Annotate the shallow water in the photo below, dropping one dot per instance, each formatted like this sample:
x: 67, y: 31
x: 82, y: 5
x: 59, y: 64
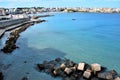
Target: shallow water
x: 92, y: 38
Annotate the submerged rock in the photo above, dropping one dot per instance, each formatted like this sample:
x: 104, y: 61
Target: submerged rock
x: 40, y: 66
x: 1, y: 76
x: 25, y: 78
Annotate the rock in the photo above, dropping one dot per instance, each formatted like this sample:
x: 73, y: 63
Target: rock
x: 72, y: 78
x: 113, y: 72
x: 40, y: 66
x: 81, y: 66
x: 53, y: 62
x: 75, y: 75
x: 56, y: 72
x: 68, y: 71
x: 67, y: 62
x: 95, y: 67
x: 66, y: 78
x: 109, y: 76
x: 1, y: 76
x: 25, y: 78
x: 73, y: 69
x: 105, y: 75
x: 71, y: 63
x: 25, y: 61
x: 87, y: 74
x: 45, y: 62
x: 117, y: 78
x: 57, y: 59
x: 101, y: 75
x: 62, y: 66
x: 94, y: 78
x: 27, y: 73
x: 10, y: 42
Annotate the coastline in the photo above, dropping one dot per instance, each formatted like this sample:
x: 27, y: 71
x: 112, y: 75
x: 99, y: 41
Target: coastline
x: 10, y: 44
x: 25, y: 62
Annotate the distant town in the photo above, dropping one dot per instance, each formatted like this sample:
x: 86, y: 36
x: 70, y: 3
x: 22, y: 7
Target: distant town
x: 31, y: 10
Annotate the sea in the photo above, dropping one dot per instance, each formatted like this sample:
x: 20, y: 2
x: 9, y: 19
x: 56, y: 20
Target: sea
x: 80, y: 37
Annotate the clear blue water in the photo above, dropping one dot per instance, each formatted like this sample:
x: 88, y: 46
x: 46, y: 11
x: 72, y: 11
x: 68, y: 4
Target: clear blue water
x: 92, y: 38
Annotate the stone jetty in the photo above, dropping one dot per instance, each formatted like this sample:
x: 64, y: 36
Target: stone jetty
x: 11, y: 24
x: 10, y: 43
x: 69, y: 70
x: 40, y: 16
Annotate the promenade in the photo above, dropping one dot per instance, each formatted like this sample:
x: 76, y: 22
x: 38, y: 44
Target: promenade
x: 2, y: 31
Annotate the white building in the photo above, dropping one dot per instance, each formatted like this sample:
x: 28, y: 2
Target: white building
x: 2, y: 11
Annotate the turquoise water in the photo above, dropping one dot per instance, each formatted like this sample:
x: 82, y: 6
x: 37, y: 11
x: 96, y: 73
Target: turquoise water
x: 92, y: 38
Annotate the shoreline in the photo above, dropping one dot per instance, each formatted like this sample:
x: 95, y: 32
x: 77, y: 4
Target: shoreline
x: 25, y: 62
x: 30, y: 10
x: 10, y: 44
x: 69, y: 70
x: 17, y: 29
x: 11, y: 24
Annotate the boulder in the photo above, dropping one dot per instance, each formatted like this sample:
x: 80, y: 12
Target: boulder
x: 58, y: 59
x: 40, y: 66
x: 73, y: 68
x: 109, y: 76
x: 56, y: 72
x: 1, y: 76
x: 95, y: 67
x: 101, y: 75
x: 81, y: 66
x: 87, y: 74
x: 63, y: 66
x: 25, y: 78
x: 94, y: 78
x: 68, y: 71
x: 71, y: 64
x: 117, y: 78
x: 105, y: 75
x: 113, y: 72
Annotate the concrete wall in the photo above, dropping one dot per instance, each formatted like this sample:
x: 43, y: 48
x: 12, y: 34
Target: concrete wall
x: 7, y: 23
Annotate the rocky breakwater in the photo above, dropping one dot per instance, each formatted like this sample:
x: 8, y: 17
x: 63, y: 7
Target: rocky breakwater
x: 40, y: 16
x: 10, y: 43
x: 14, y: 35
x: 69, y: 70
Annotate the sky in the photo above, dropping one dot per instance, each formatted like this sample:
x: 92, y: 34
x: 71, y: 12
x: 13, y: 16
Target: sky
x: 60, y: 3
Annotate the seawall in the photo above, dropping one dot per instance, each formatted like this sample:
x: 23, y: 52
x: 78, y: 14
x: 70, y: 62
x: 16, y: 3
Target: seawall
x: 6, y: 23
x: 11, y: 24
